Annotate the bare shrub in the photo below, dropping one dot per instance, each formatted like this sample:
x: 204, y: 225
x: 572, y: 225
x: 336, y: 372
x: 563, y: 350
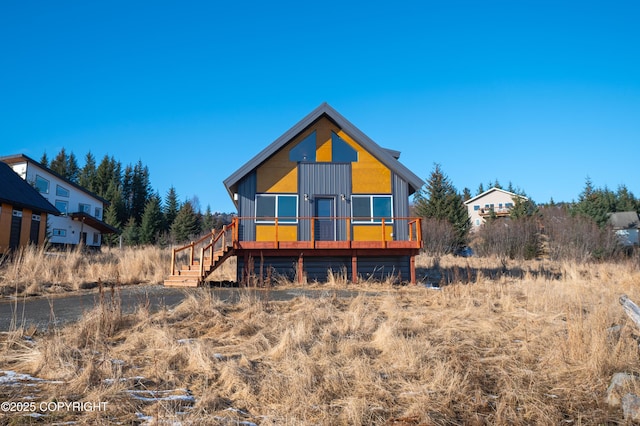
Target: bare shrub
x: 577, y: 238
x: 508, y: 239
x: 439, y: 236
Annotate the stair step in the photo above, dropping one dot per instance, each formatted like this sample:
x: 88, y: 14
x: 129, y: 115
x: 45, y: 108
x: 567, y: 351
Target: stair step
x: 176, y: 281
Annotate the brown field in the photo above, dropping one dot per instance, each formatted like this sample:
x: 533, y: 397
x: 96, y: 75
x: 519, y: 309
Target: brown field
x: 501, y: 343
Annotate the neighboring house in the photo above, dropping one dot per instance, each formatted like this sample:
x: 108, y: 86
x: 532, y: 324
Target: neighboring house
x: 323, y: 196
x: 81, y: 219
x: 626, y: 226
x: 494, y: 202
x: 23, y: 212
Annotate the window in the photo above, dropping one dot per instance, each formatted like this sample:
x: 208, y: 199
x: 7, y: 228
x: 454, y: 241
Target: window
x: 96, y: 238
x: 500, y: 206
x: 341, y: 151
x: 98, y: 214
x: 508, y: 205
x: 371, y: 208
x: 476, y: 207
x: 283, y: 207
x: 42, y: 184
x: 84, y: 208
x: 61, y: 192
x: 59, y: 232
x: 63, y: 206
x: 305, y: 150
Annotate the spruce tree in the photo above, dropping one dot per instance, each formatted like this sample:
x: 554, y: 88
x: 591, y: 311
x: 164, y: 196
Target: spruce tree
x: 440, y: 200
x: 44, y: 160
x: 172, y: 205
x: 88, y: 173
x: 131, y: 233
x: 151, y: 223
x: 185, y: 225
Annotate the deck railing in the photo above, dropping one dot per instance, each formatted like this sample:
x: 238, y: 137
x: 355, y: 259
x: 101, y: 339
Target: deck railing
x: 203, y: 251
x: 306, y: 235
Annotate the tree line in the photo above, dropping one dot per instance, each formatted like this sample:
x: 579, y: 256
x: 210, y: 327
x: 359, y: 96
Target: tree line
x: 577, y: 230
x: 134, y: 207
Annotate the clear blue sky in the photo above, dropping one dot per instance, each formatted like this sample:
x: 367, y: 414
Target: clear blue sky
x: 539, y: 93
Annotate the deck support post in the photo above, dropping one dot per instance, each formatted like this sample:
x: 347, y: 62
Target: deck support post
x: 354, y: 268
x: 412, y: 268
x: 300, y: 269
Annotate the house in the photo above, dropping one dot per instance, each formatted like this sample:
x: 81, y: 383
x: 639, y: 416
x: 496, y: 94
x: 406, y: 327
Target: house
x: 495, y: 202
x: 23, y: 212
x: 81, y: 218
x: 626, y: 226
x: 323, y: 196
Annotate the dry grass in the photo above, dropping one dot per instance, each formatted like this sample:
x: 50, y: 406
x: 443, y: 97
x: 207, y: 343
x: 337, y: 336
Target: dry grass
x: 499, y: 350
x: 34, y: 271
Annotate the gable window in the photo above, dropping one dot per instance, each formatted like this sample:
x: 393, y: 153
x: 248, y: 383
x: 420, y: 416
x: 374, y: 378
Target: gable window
x: 63, y: 206
x: 98, y: 214
x: 272, y: 206
x: 476, y: 207
x: 371, y: 208
x: 42, y: 184
x: 84, y: 208
x: 508, y: 205
x: 341, y: 151
x: 61, y: 192
x: 305, y: 150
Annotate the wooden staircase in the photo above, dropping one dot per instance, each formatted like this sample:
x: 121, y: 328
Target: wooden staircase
x: 194, y: 272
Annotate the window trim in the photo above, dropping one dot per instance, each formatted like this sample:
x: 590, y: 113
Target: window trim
x: 372, y: 218
x: 277, y: 202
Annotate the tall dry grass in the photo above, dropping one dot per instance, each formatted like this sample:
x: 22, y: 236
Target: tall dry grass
x: 536, y: 349
x: 35, y: 271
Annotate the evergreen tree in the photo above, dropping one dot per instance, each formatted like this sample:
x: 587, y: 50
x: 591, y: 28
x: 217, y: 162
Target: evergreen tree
x: 88, y: 174
x: 208, y: 221
x: 109, y: 172
x: 595, y: 204
x: 522, y: 208
x: 185, y: 225
x: 59, y: 163
x: 44, y: 160
x: 480, y: 189
x: 72, y: 169
x: 131, y: 233
x: 466, y: 194
x: 111, y: 217
x: 625, y: 200
x: 172, y: 205
x: 440, y: 200
x: 140, y: 191
x: 151, y: 223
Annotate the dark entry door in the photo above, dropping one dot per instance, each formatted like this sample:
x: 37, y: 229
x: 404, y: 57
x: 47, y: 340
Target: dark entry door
x: 16, y: 226
x: 35, y: 229
x: 325, y: 219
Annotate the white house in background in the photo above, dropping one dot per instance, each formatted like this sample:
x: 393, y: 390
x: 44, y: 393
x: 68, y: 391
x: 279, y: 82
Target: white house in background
x: 626, y: 225
x: 494, y: 201
x: 82, y: 211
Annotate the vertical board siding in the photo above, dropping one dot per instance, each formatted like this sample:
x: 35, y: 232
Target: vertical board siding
x: 247, y: 207
x: 331, y: 179
x: 316, y: 268
x: 400, y: 208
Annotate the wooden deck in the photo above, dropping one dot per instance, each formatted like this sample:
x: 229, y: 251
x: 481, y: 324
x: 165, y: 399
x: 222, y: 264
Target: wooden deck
x: 210, y: 251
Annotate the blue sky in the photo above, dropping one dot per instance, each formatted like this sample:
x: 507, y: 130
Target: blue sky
x: 539, y: 93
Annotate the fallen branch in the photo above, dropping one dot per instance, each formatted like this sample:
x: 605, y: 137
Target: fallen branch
x: 632, y: 310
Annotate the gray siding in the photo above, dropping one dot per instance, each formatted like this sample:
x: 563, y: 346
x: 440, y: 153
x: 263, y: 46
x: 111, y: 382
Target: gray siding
x: 400, y: 207
x: 247, y: 206
x: 316, y: 268
x: 332, y: 179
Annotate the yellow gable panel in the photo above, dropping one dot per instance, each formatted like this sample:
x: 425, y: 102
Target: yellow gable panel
x: 278, y: 174
x: 368, y: 175
x: 323, y: 143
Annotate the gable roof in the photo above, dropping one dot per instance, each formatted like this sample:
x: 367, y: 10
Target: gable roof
x: 494, y: 189
x: 624, y: 220
x: 20, y: 158
x: 387, y: 157
x: 16, y: 191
